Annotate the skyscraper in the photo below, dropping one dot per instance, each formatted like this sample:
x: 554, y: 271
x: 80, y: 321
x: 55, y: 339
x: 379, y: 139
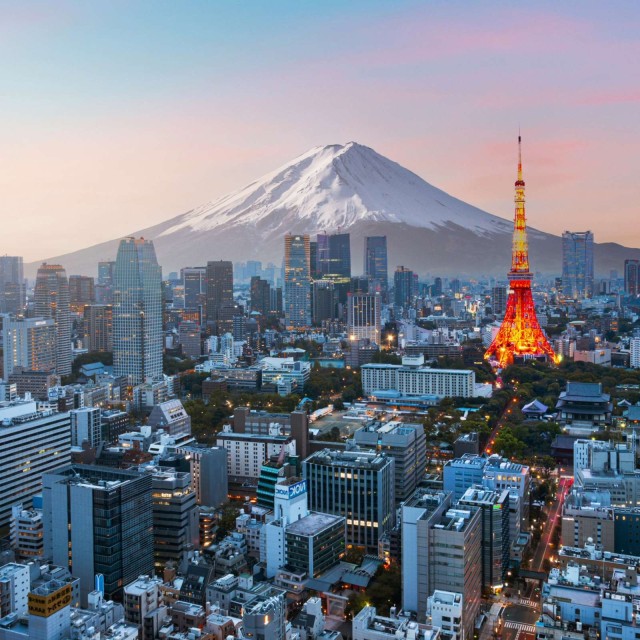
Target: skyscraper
x: 137, y: 311
x: 340, y: 254
x: 631, y: 280
x: 52, y: 301
x: 577, y: 264
x: 194, y: 281
x: 260, y: 295
x: 297, y: 280
x: 98, y: 327
x: 403, y: 285
x: 81, y: 292
x: 104, y: 286
x: 12, y: 298
x: 219, y: 288
x: 363, y: 317
x: 375, y: 260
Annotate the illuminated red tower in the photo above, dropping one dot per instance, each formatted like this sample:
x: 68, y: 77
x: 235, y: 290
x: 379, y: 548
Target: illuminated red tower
x: 520, y: 335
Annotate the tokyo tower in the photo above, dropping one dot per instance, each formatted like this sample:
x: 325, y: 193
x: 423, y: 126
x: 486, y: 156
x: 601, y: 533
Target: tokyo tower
x: 520, y: 335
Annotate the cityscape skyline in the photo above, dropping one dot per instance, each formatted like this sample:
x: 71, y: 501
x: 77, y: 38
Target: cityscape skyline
x: 537, y: 69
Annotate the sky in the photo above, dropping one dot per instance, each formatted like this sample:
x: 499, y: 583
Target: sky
x: 120, y: 115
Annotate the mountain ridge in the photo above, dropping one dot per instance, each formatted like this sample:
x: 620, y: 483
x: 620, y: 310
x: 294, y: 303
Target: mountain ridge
x: 353, y: 189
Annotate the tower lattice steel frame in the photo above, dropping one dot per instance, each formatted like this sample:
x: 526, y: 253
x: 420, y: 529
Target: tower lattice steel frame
x: 520, y: 335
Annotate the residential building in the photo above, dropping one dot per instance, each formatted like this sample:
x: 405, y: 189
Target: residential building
x: 32, y: 443
x: 28, y: 343
x: 137, y: 312
x: 499, y: 300
x: 141, y: 597
x: 98, y: 327
x: 27, y: 532
x: 99, y: 520
x: 634, y: 347
x: 51, y: 296
x: 15, y: 582
x: 357, y: 485
x: 577, y: 264
x: 445, y: 611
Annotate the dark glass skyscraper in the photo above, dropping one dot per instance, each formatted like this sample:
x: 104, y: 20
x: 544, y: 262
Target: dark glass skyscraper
x: 333, y: 255
x: 375, y: 261
x: 403, y: 285
x: 219, y: 288
x: 137, y: 311
x: 631, y: 272
x: 577, y: 264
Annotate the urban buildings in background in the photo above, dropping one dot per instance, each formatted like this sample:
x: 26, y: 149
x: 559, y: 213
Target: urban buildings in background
x: 577, y: 264
x: 12, y: 285
x: 137, y: 311
x: 51, y: 300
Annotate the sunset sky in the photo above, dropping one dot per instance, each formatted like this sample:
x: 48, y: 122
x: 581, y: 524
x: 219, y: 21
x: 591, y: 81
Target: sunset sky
x: 119, y: 115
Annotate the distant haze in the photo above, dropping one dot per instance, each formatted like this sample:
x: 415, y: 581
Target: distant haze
x: 117, y: 116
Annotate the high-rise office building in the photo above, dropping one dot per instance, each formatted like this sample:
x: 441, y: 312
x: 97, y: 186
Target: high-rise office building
x: 12, y: 289
x: 194, y: 281
x: 99, y: 520
x: 297, y: 281
x: 104, y: 286
x: 175, y: 519
x: 631, y: 279
x: 375, y: 261
x: 357, y: 485
x: 332, y: 255
x: 98, y: 327
x: 340, y: 254
x: 51, y: 295
x: 496, y: 542
x: 137, y: 311
x: 29, y: 343
x: 363, y: 317
x: 405, y: 443
x: 403, y: 286
x: 32, y: 442
x: 219, y: 290
x: 260, y: 295
x: 86, y: 426
x: 577, y: 264
x: 447, y: 548
x: 81, y: 292
x: 324, y: 301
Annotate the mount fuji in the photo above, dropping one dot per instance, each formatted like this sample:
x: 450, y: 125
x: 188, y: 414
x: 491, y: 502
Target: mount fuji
x: 350, y: 188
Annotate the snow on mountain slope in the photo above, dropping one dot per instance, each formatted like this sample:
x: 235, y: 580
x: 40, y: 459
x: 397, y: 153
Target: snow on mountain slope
x: 353, y: 189
x: 338, y: 186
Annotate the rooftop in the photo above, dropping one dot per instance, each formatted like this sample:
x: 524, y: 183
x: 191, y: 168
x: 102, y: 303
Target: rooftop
x: 313, y: 524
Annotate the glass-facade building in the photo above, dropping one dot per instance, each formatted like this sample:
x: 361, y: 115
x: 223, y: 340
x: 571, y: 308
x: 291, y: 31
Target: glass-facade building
x: 375, y: 261
x: 577, y: 264
x: 137, y: 311
x: 297, y: 280
x: 12, y: 289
